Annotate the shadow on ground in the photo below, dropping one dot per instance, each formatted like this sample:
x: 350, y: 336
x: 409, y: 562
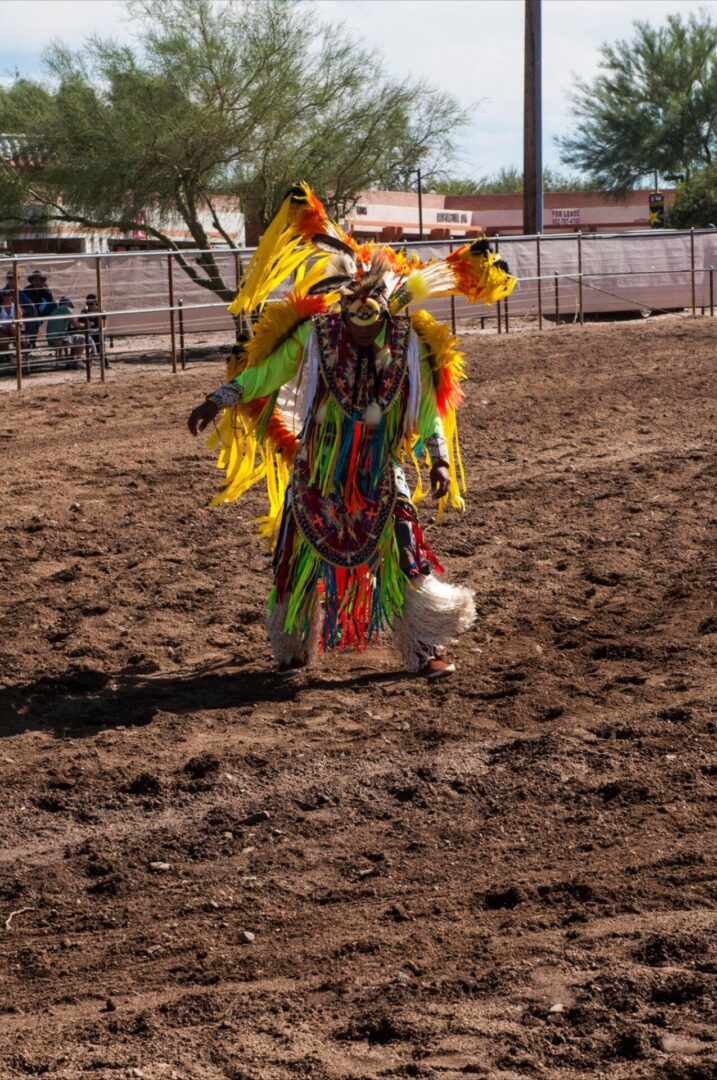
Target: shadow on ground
x: 82, y: 699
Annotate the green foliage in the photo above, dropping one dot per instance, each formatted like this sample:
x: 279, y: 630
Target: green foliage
x: 652, y: 109
x: 695, y: 204
x: 221, y: 100
x: 455, y: 186
x: 509, y: 181
x: 557, y: 181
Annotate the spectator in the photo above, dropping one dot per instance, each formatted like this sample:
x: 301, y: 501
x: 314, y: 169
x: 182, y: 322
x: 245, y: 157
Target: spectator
x: 92, y: 322
x: 7, y: 316
x: 63, y: 332
x: 43, y: 301
x: 28, y: 308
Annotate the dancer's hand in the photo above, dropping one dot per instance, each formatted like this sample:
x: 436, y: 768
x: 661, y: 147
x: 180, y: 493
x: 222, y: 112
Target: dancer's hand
x: 202, y: 416
x: 440, y: 481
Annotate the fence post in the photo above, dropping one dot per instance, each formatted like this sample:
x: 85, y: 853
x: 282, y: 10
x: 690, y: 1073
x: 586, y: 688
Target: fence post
x: 497, y: 306
x: 18, y: 325
x: 182, y: 350
x: 580, y: 277
x: 692, y: 270
x: 88, y: 357
x: 240, y: 327
x: 505, y: 310
x: 557, y: 298
x: 101, y: 305
x: 453, y: 302
x: 540, y: 282
x: 172, y: 327
x: 712, y: 291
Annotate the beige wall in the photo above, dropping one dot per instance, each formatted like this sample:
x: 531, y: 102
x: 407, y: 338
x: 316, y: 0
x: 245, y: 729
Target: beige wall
x: 592, y: 210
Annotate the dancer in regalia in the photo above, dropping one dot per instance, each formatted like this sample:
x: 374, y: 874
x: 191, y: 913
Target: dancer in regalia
x: 334, y: 392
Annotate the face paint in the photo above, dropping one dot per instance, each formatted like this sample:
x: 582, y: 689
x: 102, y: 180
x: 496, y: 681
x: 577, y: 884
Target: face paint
x: 364, y: 312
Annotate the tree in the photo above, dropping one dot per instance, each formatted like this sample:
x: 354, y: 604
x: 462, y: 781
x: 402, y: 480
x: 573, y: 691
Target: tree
x: 509, y: 181
x: 695, y: 204
x: 455, y: 186
x: 223, y: 99
x: 654, y: 107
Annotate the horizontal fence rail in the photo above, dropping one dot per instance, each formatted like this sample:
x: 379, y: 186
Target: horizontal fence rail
x: 148, y: 303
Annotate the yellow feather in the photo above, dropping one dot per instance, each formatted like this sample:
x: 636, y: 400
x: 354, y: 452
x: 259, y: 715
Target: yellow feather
x: 442, y: 353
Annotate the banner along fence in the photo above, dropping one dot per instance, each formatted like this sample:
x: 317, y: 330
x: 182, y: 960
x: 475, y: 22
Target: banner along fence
x: 562, y: 276
x: 569, y: 275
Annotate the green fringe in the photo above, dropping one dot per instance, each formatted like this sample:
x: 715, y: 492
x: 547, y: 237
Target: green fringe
x: 303, y: 575
x: 308, y: 568
x: 265, y: 417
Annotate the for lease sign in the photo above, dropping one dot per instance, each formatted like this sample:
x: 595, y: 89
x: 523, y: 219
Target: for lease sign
x: 565, y: 217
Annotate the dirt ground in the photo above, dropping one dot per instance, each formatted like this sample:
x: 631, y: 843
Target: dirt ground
x: 508, y: 875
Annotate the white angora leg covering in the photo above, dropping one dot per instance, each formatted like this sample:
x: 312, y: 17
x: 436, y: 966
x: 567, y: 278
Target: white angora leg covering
x: 287, y: 647
x: 435, y: 614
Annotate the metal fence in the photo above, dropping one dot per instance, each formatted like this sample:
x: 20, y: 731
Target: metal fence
x: 147, y: 302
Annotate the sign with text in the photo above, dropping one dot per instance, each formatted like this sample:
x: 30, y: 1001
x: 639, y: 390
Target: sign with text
x: 565, y: 218
x: 656, y: 202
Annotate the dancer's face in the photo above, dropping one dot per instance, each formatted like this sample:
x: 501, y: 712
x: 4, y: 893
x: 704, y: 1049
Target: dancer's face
x: 364, y: 319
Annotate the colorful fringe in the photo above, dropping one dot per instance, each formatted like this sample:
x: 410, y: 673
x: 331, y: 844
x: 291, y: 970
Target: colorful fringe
x: 448, y: 372
x: 479, y: 274
x: 345, y: 457
x: 257, y: 428
x: 359, y: 602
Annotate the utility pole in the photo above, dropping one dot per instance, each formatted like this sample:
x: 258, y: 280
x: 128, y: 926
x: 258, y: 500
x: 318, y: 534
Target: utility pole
x: 420, y: 206
x: 533, y: 122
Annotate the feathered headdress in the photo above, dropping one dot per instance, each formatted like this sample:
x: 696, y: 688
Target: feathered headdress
x: 303, y: 241
x: 329, y: 267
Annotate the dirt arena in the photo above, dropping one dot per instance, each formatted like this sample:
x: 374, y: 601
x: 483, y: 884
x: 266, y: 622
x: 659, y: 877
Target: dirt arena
x: 207, y: 873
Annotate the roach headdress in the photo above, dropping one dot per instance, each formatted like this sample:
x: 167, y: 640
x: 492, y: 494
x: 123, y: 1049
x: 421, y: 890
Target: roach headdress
x: 330, y: 271
x: 304, y: 242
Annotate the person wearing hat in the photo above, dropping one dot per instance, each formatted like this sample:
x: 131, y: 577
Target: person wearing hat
x: 27, y: 308
x: 62, y: 329
x: 40, y: 296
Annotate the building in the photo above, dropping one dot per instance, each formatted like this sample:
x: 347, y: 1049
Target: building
x: 394, y: 215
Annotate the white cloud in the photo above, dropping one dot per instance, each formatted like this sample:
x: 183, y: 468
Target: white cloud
x: 471, y: 48
x: 29, y: 26
x: 474, y: 49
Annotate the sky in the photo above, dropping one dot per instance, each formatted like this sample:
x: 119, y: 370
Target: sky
x: 470, y: 48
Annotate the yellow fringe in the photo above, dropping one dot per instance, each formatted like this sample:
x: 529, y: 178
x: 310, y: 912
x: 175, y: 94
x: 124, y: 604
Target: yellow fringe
x: 237, y: 456
x: 442, y: 353
x: 235, y: 434
x: 440, y: 342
